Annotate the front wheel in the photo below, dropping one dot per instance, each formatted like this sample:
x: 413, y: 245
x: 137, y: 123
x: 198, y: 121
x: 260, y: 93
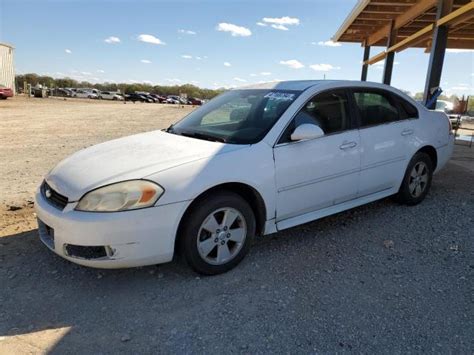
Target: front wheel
x: 417, y: 180
x: 217, y: 233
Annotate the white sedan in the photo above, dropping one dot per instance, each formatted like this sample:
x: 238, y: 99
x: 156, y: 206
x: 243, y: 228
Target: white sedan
x: 110, y: 95
x: 250, y: 162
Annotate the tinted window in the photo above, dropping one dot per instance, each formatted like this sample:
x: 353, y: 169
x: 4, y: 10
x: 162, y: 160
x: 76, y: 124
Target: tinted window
x: 376, y: 108
x: 407, y: 110
x: 327, y: 110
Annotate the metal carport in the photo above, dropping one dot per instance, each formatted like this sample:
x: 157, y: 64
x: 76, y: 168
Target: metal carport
x: 400, y: 24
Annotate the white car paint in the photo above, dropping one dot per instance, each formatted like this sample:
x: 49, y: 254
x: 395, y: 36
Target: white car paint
x: 82, y: 94
x: 298, y: 182
x: 110, y: 95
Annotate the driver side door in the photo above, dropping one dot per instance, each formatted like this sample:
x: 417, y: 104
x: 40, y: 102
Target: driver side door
x: 315, y: 174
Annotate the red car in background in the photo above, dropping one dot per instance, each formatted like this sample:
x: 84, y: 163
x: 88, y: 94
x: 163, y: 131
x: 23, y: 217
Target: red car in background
x: 5, y: 92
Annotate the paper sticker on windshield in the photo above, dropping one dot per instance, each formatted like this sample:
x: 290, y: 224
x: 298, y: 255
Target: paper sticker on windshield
x: 280, y: 96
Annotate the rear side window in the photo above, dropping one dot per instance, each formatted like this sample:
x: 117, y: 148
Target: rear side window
x: 407, y: 110
x: 375, y: 108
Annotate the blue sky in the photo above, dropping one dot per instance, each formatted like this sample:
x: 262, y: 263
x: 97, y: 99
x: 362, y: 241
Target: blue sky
x: 167, y: 42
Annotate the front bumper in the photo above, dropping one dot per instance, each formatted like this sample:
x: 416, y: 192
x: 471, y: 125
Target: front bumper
x: 129, y: 238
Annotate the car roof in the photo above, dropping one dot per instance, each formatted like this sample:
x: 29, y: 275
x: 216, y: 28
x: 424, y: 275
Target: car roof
x: 301, y: 85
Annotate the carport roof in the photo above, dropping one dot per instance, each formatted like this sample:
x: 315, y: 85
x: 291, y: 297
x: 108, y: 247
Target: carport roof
x: 370, y: 21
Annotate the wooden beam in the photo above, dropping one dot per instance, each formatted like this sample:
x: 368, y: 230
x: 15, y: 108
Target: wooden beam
x: 417, y: 37
x: 458, y: 16
x: 412, y: 13
x: 376, y: 58
x: 388, y: 3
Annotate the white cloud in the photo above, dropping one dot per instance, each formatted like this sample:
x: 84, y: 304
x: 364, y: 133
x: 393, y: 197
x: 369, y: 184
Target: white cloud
x: 100, y: 71
x: 240, y: 79
x: 452, y: 50
x: 147, y: 82
x: 227, y: 64
x: 145, y: 61
x: 112, y: 40
x: 279, y: 23
x: 68, y: 51
x: 174, y: 80
x: 280, y: 27
x: 265, y: 73
x: 253, y: 74
x: 150, y: 39
x: 328, y: 43
x: 235, y: 31
x: 198, y: 58
x: 323, y: 67
x: 86, y: 73
x: 187, y: 56
x: 282, y: 20
x: 187, y: 32
x: 292, y: 63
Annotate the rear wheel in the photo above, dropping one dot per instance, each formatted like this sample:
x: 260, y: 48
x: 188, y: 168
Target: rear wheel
x: 217, y: 233
x: 417, y: 180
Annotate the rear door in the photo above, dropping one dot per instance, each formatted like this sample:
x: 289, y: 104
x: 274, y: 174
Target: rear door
x: 386, y: 134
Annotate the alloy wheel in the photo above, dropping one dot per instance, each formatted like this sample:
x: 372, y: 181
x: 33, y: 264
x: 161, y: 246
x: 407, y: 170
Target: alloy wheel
x: 221, y: 236
x: 418, y: 179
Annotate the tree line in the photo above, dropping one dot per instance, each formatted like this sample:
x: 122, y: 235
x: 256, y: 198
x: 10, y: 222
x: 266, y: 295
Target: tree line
x: 50, y: 82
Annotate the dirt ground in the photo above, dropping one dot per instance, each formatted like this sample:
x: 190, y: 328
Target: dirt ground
x: 38, y: 133
x: 381, y: 278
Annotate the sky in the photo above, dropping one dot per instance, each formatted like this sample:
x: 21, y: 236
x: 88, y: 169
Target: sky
x: 208, y: 43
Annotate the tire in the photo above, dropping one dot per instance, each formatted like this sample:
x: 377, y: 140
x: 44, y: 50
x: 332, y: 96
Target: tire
x: 222, y: 245
x: 417, y: 180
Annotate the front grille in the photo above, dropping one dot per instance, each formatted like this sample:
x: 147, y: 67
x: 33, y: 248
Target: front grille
x: 54, y: 198
x: 46, y: 234
x: 85, y: 252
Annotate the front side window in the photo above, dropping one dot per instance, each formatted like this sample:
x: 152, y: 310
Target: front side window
x: 375, y: 108
x: 237, y: 116
x: 328, y: 110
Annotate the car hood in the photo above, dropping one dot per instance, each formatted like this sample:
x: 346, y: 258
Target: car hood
x: 133, y: 157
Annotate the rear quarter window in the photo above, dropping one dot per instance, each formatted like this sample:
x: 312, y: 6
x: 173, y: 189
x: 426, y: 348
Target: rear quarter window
x: 407, y: 110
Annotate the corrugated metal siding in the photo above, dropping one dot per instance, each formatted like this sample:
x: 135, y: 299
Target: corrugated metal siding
x: 7, y: 71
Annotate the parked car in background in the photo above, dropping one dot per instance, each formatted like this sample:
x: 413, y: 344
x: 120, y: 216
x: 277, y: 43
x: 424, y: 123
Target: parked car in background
x: 61, y: 92
x: 111, y: 95
x: 173, y: 99
x: 252, y: 161
x: 5, y: 92
x: 83, y: 94
x: 150, y: 98
x: 159, y: 98
x: 134, y: 97
x: 194, y: 101
x: 448, y: 108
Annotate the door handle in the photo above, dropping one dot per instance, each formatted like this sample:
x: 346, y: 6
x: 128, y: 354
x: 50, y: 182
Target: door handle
x: 407, y: 132
x: 347, y: 145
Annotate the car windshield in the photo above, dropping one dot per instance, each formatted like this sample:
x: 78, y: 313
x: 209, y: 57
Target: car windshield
x: 237, y: 116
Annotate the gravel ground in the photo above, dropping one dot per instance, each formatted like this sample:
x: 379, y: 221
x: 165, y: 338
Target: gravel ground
x: 381, y: 278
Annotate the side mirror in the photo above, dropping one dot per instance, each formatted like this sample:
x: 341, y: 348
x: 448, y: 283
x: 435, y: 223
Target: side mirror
x: 306, y: 131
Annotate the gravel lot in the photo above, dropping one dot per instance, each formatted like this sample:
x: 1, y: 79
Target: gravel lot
x: 382, y: 278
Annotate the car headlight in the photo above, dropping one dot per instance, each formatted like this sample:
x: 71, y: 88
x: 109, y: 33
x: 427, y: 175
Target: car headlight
x: 122, y: 196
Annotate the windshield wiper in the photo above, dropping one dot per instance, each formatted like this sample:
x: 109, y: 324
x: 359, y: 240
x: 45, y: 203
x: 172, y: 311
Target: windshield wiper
x: 204, y: 136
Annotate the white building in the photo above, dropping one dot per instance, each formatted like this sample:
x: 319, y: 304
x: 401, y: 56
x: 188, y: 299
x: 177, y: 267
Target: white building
x: 7, y: 70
